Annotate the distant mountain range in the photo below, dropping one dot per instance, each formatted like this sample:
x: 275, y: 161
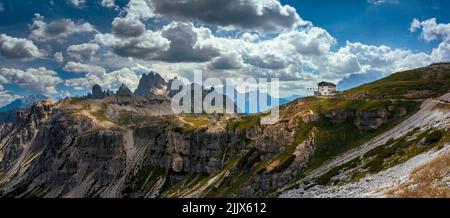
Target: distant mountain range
x: 22, y: 102
x: 244, y: 107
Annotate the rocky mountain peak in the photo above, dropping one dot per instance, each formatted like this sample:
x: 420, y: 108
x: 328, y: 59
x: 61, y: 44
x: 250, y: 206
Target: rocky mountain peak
x: 150, y: 84
x: 124, y: 91
x: 97, y: 92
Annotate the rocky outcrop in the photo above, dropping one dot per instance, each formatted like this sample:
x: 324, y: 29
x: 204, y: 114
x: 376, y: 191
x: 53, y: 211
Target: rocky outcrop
x: 368, y: 120
x: 339, y: 116
x: 274, y: 138
x: 98, y: 93
x: 74, y: 157
x: 17, y: 135
x: 150, y: 84
x: 124, y: 91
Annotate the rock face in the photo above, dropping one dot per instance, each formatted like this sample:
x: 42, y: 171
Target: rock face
x: 18, y: 133
x: 150, y: 84
x: 97, y: 92
x: 67, y: 155
x: 124, y: 91
x: 368, y: 120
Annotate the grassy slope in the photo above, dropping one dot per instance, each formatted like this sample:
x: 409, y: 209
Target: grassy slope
x: 435, y: 80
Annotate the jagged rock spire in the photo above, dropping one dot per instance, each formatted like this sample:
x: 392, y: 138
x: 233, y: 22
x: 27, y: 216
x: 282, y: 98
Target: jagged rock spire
x: 97, y: 92
x: 150, y: 84
x: 124, y: 91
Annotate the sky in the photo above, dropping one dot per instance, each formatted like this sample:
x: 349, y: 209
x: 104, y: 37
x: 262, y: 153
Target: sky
x: 61, y: 48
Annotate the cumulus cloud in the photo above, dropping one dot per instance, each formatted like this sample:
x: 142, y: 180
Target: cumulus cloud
x: 111, y: 81
x: 59, y: 57
x: 415, y: 25
x: 36, y: 79
x: 441, y: 53
x: 297, y: 47
x: 147, y: 46
x: 127, y: 27
x: 77, y: 3
x: 138, y: 9
x: 312, y: 41
x: 108, y: 3
x: 186, y: 43
x: 176, y: 42
x: 267, y: 59
x: 386, y: 59
x: 7, y: 97
x: 77, y: 67
x: 249, y: 37
x: 83, y: 51
x: 227, y: 61
x: 291, y: 55
x: 266, y: 15
x: 343, y: 62
x: 431, y: 30
x: 11, y: 47
x: 58, y: 29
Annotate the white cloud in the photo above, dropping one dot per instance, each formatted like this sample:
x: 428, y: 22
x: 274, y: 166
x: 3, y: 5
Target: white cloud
x: 146, y: 46
x: 249, y: 37
x: 386, y: 59
x: 77, y: 3
x: 343, y: 62
x: 138, y: 9
x: 441, y: 53
x: 227, y: 61
x: 7, y: 97
x: 11, y: 47
x: 266, y: 15
x: 108, y: 4
x: 108, y: 81
x: 83, y: 51
x: 57, y: 29
x: 59, y: 57
x: 312, y: 41
x: 286, y: 55
x: 431, y: 30
x: 127, y: 27
x: 37, y: 79
x: 84, y: 68
x: 415, y: 25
